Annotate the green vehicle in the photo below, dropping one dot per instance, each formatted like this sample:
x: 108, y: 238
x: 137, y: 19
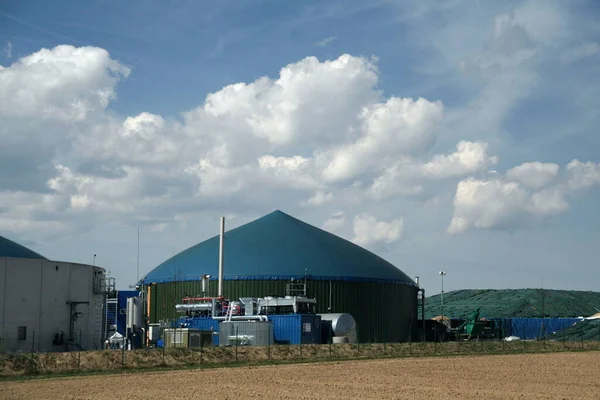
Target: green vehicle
x: 471, y: 328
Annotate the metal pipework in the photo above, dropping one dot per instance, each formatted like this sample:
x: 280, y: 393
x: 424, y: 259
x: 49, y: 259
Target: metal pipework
x: 221, y: 238
x: 423, y: 311
x: 194, y: 307
x: 243, y: 318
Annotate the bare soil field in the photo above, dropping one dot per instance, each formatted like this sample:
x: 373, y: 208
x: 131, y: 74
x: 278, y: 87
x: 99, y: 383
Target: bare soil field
x: 538, y: 376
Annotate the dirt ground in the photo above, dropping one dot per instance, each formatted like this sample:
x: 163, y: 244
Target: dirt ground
x: 547, y: 376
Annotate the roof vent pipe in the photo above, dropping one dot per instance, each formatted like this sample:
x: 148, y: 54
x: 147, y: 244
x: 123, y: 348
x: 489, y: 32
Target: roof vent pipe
x: 221, y: 237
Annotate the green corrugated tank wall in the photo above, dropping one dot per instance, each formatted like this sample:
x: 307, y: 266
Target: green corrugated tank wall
x: 384, y: 312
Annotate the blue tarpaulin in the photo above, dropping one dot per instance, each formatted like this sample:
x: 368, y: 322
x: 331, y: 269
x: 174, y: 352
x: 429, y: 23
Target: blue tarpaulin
x: 534, y: 328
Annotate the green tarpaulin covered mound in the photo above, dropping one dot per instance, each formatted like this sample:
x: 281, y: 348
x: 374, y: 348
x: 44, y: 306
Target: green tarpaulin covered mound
x: 515, y: 303
x: 584, y: 330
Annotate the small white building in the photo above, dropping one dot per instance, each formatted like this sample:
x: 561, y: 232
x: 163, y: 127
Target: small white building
x: 49, y: 305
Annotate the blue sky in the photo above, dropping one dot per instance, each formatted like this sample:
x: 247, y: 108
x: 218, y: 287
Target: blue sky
x: 118, y: 130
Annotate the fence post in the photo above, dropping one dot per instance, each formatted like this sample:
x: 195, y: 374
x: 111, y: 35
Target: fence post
x: 163, y: 352
x: 330, y: 340
x: 410, y: 339
x: 201, y: 348
x: 32, y: 350
x: 79, y: 354
x: 384, y: 348
x: 123, y: 353
x: 357, y: 341
x: 544, y: 342
x: 236, y: 343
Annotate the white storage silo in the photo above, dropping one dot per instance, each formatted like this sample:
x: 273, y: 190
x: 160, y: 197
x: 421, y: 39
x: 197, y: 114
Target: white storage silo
x: 49, y: 305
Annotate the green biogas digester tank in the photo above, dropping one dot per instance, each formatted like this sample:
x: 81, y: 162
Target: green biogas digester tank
x: 263, y: 256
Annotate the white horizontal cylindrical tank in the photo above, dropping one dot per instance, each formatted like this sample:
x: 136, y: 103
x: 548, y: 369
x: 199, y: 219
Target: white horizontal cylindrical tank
x: 342, y: 324
x: 194, y: 307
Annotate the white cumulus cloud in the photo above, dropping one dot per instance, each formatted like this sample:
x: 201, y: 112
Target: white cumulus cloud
x: 369, y: 231
x: 321, y: 198
x: 583, y: 175
x: 527, y: 194
x: 248, y: 143
x: 409, y: 176
x: 389, y: 130
x: 335, y: 222
x: 534, y: 175
x: 318, y: 133
x: 64, y: 83
x: 470, y: 157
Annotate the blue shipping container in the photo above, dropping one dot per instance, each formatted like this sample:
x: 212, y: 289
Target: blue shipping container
x: 296, y: 328
x: 287, y: 329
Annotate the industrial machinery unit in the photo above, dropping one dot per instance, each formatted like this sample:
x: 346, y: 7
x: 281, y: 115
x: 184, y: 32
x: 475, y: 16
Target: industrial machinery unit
x: 135, y: 330
x: 267, y: 254
x: 471, y: 328
x: 186, y: 338
x: 246, y: 333
x: 50, y: 305
x: 251, y: 321
x: 116, y: 311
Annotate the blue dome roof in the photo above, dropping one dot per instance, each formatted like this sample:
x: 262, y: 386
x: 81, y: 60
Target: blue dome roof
x: 8, y: 248
x: 278, y: 246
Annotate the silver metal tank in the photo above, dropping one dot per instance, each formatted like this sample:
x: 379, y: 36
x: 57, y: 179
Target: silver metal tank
x: 194, y: 307
x: 135, y: 312
x: 342, y: 324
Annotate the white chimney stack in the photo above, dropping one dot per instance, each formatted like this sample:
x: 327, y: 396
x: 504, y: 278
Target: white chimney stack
x: 221, y: 237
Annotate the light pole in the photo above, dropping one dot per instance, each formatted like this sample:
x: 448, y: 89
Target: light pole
x: 442, y: 273
x: 137, y: 276
x: 94, y: 262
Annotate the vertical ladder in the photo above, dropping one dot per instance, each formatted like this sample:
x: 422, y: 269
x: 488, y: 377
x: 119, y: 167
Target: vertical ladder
x: 111, y: 317
x: 229, y: 311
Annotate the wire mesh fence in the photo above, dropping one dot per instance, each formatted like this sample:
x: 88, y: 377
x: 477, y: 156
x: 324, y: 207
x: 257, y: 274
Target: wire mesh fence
x: 27, y: 362
x: 55, y: 343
